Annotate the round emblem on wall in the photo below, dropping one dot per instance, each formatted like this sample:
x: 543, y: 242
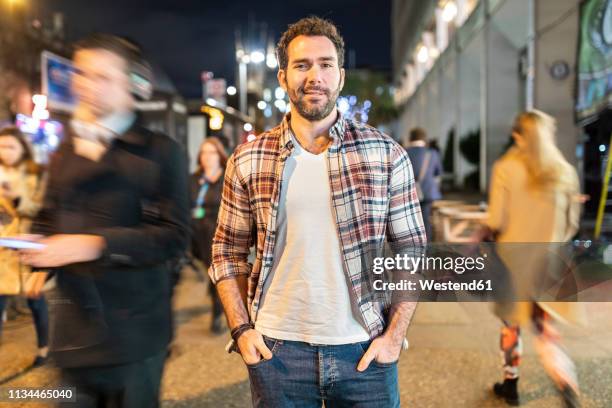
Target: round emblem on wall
x: 559, y: 70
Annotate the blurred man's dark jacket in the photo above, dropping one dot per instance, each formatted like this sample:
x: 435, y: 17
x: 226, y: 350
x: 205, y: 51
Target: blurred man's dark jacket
x: 117, y: 310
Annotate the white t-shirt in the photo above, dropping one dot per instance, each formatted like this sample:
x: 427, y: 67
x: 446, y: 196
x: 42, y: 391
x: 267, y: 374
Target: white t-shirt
x: 306, y: 296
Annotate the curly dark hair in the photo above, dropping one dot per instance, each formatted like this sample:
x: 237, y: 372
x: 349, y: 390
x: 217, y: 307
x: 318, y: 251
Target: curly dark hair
x: 309, y: 26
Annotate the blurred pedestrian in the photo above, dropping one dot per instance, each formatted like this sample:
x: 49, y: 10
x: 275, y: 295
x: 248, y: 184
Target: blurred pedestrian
x: 533, y: 198
x: 115, y: 217
x: 21, y: 193
x: 315, y: 195
x: 206, y: 189
x: 427, y: 168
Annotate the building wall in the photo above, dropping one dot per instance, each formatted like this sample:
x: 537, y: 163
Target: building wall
x: 557, y: 40
x: 505, y: 37
x: 477, y: 82
x: 469, y: 115
x: 448, y: 99
x: 408, y: 19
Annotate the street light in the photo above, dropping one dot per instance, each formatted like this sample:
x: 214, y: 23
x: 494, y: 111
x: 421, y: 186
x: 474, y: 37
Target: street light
x: 40, y: 111
x: 267, y: 94
x: 257, y: 57
x: 343, y: 105
x: 243, y: 59
x: 271, y: 61
x: 280, y: 104
x: 279, y: 93
x: 449, y: 12
x: 423, y: 54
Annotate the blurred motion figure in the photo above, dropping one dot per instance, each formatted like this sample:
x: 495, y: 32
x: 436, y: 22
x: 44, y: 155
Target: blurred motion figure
x: 534, y: 198
x: 115, y: 216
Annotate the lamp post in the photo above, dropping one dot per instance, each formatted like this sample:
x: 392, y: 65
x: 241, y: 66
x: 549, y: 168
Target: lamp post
x: 242, y: 85
x: 244, y: 59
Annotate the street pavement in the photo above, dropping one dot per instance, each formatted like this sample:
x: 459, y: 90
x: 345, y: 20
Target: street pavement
x: 452, y: 361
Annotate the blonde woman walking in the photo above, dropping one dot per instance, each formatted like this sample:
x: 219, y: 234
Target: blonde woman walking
x: 533, y: 199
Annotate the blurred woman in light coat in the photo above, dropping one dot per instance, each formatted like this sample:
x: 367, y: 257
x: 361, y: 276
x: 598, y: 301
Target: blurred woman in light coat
x: 20, y: 200
x: 534, y: 199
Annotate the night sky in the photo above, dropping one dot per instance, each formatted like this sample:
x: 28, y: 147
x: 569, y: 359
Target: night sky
x: 186, y: 37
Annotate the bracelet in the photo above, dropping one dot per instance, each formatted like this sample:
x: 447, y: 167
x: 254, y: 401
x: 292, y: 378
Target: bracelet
x: 239, y: 331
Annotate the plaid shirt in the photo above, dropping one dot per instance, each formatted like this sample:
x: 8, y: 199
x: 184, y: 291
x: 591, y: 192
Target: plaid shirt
x: 373, y: 197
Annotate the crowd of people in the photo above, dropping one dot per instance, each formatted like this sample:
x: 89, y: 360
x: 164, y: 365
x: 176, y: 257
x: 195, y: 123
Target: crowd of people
x: 116, y: 211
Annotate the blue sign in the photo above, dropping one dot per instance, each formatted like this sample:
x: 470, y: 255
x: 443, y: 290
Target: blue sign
x: 56, y: 82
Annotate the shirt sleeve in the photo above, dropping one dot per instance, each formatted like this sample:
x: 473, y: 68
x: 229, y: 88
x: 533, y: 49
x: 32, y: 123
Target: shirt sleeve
x: 235, y: 228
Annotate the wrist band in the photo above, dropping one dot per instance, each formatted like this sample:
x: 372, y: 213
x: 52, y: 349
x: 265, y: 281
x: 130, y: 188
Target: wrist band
x: 238, y: 331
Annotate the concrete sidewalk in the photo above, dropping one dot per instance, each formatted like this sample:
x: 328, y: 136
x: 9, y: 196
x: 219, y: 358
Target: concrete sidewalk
x: 452, y: 362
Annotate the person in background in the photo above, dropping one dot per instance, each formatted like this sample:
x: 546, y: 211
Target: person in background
x: 206, y: 189
x: 20, y: 199
x: 115, y: 217
x: 427, y: 168
x: 534, y: 198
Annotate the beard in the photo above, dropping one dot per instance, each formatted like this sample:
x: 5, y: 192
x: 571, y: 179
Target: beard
x: 313, y: 111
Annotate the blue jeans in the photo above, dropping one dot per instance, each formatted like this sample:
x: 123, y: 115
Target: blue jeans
x: 304, y: 375
x: 40, y: 314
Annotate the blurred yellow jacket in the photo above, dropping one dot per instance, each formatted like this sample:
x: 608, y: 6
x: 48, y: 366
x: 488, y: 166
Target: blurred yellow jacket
x: 18, y: 220
x: 538, y: 218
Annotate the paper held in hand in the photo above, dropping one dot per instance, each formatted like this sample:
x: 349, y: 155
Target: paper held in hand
x: 19, y: 243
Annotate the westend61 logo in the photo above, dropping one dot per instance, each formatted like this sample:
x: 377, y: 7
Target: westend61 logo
x: 428, y: 264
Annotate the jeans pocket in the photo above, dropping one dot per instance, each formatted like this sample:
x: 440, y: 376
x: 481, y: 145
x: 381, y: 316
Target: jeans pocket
x: 273, y: 345
x: 364, y: 345
x: 257, y: 364
x: 385, y: 365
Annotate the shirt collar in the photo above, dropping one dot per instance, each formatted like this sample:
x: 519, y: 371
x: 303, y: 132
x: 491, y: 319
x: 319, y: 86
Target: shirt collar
x: 336, y: 131
x: 116, y: 126
x: 118, y: 122
x: 418, y: 143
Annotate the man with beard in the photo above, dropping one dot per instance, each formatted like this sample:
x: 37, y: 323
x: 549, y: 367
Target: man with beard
x: 313, y: 194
